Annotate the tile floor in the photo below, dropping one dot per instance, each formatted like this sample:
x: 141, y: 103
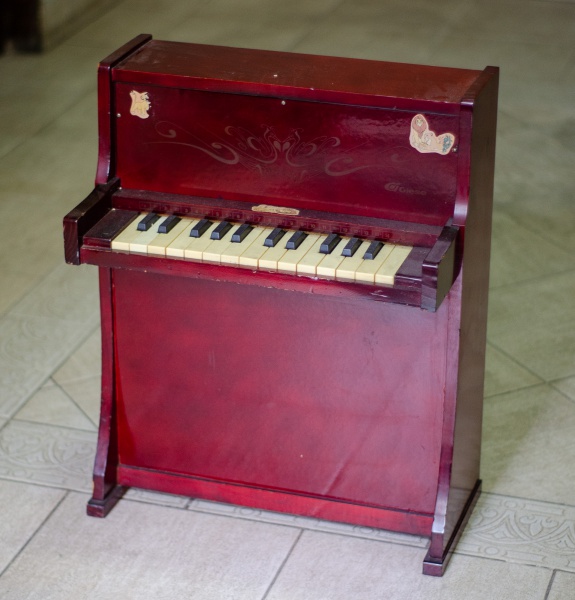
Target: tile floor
x: 521, y: 539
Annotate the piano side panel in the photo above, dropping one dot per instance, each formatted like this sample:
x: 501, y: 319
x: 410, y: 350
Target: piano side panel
x: 338, y: 400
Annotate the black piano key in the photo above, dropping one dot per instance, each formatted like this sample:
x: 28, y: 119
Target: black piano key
x: 330, y: 242
x: 295, y: 240
x: 168, y: 224
x: 200, y: 228
x: 351, y: 247
x: 373, y: 250
x: 148, y: 221
x: 241, y: 233
x: 220, y: 231
x: 274, y: 237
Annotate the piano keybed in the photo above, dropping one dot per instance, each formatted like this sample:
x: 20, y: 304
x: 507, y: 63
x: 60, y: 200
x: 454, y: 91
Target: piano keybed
x: 331, y: 257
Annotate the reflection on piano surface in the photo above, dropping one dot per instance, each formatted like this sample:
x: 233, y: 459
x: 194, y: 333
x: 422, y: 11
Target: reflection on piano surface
x: 253, y: 210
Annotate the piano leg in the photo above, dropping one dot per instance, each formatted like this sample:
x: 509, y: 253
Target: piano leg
x: 442, y: 544
x: 106, y: 490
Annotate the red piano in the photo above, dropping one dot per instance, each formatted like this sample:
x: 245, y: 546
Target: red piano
x: 293, y: 258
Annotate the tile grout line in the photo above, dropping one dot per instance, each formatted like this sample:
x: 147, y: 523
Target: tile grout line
x: 513, y: 359
x: 69, y: 396
x: 281, y: 567
x: 29, y: 540
x: 550, y: 585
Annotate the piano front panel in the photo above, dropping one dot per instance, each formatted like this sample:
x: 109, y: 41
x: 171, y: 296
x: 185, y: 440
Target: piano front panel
x: 300, y: 393
x: 285, y: 152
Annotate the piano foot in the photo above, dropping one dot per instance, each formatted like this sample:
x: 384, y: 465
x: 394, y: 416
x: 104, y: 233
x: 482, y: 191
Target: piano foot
x: 101, y: 507
x: 436, y: 565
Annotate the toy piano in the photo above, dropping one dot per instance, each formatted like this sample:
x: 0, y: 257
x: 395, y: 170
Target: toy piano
x: 293, y: 258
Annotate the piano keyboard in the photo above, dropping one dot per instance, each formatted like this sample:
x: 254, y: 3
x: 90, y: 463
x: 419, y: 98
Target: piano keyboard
x: 263, y: 248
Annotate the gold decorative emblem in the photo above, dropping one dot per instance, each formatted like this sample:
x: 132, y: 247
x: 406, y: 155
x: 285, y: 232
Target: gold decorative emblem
x: 426, y: 141
x: 277, y: 210
x: 140, y: 104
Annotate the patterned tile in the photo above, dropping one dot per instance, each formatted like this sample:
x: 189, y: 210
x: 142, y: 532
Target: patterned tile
x: 521, y: 531
x: 370, y: 533
x: 47, y: 455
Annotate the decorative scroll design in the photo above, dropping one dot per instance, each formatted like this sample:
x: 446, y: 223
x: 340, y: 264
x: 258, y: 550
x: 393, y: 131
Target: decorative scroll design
x: 264, y: 153
x: 426, y: 141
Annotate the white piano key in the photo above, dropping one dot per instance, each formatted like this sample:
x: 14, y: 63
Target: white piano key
x: 231, y: 253
x: 177, y: 246
x: 121, y: 242
x: 161, y: 242
x: 213, y: 252
x: 327, y: 267
x: 308, y: 263
x: 349, y: 265
x: 269, y: 259
x: 251, y: 255
x: 386, y: 273
x: 368, y: 268
x: 139, y: 244
x: 288, y: 262
x: 195, y: 249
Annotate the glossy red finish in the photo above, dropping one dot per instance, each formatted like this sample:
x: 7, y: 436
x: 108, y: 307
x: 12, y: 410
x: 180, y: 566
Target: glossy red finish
x: 342, y: 401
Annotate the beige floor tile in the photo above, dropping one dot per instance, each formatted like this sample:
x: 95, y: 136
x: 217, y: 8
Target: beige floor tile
x: 357, y: 38
x: 146, y: 551
x: 256, y: 32
x: 566, y: 386
x: 66, y: 293
x: 83, y: 363
x: 514, y: 20
x: 124, y: 22
x: 535, y: 324
x: 39, y: 88
x: 24, y: 508
x: 47, y: 455
x: 519, y: 254
x: 528, y: 441
x: 328, y: 567
x: 521, y: 531
x: 563, y: 587
x: 503, y: 374
x: 86, y: 394
x: 15, y: 284
x: 51, y: 406
x: 30, y: 349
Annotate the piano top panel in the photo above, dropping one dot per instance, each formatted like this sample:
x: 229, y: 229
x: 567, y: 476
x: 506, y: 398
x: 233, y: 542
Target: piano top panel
x: 297, y: 132
x: 310, y: 77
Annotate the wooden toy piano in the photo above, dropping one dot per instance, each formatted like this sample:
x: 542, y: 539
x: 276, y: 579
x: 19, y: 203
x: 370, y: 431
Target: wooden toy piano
x: 293, y: 256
